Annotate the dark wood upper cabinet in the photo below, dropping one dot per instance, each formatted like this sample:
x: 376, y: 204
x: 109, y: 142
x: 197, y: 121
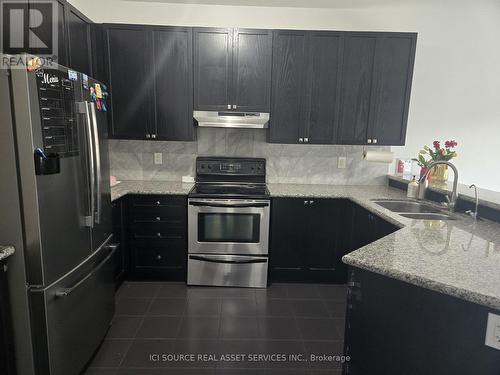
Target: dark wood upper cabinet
x: 393, y: 70
x: 323, y: 89
x: 213, y: 50
x: 288, y: 86
x: 232, y: 69
x: 356, y: 89
x: 130, y: 79
x: 79, y: 38
x: 251, y: 89
x: 173, y: 83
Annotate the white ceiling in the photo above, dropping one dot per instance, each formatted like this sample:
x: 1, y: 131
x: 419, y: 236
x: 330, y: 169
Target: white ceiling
x: 284, y: 3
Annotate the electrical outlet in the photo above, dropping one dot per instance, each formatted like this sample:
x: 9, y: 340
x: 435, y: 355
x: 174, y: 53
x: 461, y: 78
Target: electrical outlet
x: 158, y: 158
x: 493, y: 331
x: 342, y: 162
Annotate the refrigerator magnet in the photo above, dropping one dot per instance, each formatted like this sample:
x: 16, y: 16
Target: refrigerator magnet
x: 85, y: 81
x: 72, y: 75
x: 98, y: 91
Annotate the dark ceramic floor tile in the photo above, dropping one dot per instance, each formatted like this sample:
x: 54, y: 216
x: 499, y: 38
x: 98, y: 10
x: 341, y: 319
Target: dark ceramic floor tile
x: 278, y: 328
x: 273, y: 291
x: 205, y: 353
x: 274, y: 307
x: 197, y: 327
x: 132, y: 306
x: 310, y: 308
x: 141, y: 351
x: 320, y: 328
x: 124, y: 327
x: 237, y: 293
x: 303, y: 291
x: 234, y: 371
x: 325, y: 355
x: 138, y: 290
x: 239, y: 307
x: 173, y: 290
x: 111, y: 353
x: 203, y: 307
x: 167, y: 306
x: 326, y: 372
x: 286, y: 372
x: 335, y: 292
x: 336, y: 309
x: 159, y: 327
x: 204, y: 292
x: 233, y: 327
x: 169, y: 371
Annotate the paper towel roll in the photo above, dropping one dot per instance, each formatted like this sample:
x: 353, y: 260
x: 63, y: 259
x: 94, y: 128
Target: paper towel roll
x: 378, y: 156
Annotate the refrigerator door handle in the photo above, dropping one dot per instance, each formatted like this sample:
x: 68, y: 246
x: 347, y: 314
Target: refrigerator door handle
x: 97, y: 160
x: 64, y: 292
x: 88, y: 133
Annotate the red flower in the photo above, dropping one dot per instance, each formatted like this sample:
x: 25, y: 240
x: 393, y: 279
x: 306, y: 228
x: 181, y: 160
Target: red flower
x: 437, y: 145
x: 451, y: 144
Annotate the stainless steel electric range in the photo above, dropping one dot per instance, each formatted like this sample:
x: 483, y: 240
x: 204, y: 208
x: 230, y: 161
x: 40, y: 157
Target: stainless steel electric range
x: 228, y: 223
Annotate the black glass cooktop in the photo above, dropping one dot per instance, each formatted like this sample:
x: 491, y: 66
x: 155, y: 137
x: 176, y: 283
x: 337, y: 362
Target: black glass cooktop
x: 243, y: 190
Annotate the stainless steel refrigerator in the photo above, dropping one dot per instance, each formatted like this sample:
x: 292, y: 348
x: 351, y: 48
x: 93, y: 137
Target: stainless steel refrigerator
x: 58, y: 118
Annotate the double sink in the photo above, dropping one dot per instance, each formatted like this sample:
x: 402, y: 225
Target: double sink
x: 413, y: 209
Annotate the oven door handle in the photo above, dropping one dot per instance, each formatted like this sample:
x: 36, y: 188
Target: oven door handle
x: 230, y: 205
x: 212, y: 260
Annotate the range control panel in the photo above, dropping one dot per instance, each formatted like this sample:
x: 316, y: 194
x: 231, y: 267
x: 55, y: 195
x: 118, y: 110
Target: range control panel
x: 56, y: 94
x: 235, y: 168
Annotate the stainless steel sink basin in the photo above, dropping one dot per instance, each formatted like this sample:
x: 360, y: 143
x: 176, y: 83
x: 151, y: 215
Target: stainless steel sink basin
x: 428, y: 216
x: 407, y: 206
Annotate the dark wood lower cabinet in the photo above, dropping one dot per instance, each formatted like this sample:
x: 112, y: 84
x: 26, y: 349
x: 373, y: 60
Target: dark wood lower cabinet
x: 7, y: 365
x: 395, y: 328
x: 157, y: 234
x: 119, y: 236
x: 309, y: 236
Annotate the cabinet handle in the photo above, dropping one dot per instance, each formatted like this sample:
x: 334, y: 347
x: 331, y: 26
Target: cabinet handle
x: 159, y: 257
x: 148, y: 136
x: 229, y: 106
x: 311, y: 202
x: 306, y: 202
x: 353, y: 284
x: 301, y: 140
x: 153, y: 136
x: 306, y: 140
x: 369, y: 141
x: 374, y: 141
x: 158, y: 218
x: 234, y: 106
x: 157, y: 203
x: 158, y: 235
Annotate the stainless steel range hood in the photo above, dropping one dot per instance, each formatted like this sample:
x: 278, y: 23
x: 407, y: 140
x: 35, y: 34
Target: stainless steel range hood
x: 231, y: 119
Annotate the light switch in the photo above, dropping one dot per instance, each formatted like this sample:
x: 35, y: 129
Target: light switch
x: 158, y: 158
x: 342, y: 162
x: 493, y: 331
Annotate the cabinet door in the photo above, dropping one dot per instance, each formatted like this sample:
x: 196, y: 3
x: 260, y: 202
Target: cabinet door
x: 394, y: 58
x: 325, y: 53
x: 127, y: 52
x: 252, y: 70
x: 363, y: 229
x: 288, y: 84
x: 173, y: 88
x: 287, y: 227
x: 79, y: 41
x: 212, y: 68
x: 356, y: 87
x: 321, y: 252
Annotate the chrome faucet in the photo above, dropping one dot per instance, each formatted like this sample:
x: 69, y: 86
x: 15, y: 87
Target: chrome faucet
x: 476, y: 195
x: 422, y: 183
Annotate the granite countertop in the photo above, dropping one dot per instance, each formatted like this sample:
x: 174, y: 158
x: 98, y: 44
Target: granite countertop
x: 6, y: 251
x: 459, y: 257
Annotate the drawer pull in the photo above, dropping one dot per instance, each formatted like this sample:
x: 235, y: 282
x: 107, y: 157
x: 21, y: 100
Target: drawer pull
x: 158, y: 203
x: 159, y: 257
x: 158, y: 218
x: 158, y: 235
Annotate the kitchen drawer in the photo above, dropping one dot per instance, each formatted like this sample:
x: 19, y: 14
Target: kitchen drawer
x: 157, y: 230
x: 174, y: 213
x: 158, y: 201
x: 167, y: 255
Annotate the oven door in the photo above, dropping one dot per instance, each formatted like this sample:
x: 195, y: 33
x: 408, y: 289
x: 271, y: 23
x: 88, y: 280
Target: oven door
x: 234, y: 226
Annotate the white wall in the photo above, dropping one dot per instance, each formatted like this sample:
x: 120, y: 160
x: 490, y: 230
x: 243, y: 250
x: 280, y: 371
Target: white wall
x: 457, y: 70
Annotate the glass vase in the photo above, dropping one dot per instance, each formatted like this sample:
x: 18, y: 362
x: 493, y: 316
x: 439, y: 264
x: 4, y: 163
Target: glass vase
x: 439, y: 174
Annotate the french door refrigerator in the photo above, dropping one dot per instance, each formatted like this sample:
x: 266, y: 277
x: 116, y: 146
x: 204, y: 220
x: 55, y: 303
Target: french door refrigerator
x: 60, y: 131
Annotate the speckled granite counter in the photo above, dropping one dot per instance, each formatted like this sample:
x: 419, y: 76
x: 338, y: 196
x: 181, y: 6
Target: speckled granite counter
x: 6, y: 251
x: 149, y: 187
x: 459, y: 257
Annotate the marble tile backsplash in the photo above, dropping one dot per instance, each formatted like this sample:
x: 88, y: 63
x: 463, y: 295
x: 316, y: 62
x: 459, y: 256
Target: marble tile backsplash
x: 301, y: 164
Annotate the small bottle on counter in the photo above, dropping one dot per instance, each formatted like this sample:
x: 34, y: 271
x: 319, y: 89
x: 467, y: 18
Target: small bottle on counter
x: 412, y: 191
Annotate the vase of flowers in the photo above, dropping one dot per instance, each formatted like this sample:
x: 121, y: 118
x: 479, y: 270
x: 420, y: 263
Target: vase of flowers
x: 428, y: 155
